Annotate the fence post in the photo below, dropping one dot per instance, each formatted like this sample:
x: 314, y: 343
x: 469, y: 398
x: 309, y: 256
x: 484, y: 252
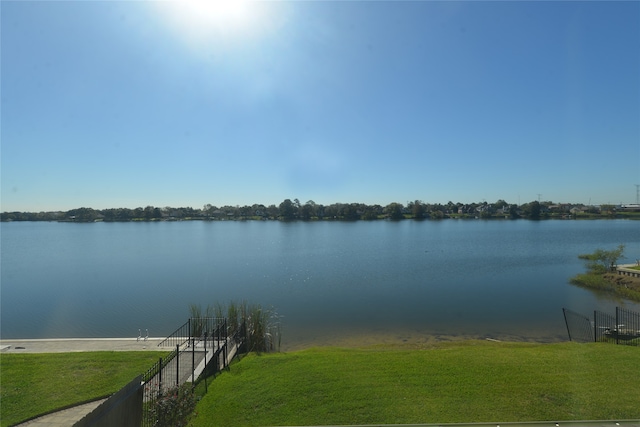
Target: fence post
x: 160, y: 377
x: 617, y: 327
x: 205, y: 362
x: 226, y: 343
x: 566, y: 322
x: 177, y: 364
x: 193, y: 363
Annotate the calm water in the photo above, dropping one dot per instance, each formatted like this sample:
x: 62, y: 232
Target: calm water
x: 378, y: 281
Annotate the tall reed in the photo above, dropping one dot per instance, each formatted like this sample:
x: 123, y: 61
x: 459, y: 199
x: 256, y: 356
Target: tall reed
x: 196, y: 320
x: 261, y: 326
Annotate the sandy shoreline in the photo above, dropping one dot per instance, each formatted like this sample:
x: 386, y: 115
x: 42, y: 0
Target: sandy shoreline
x: 404, y: 340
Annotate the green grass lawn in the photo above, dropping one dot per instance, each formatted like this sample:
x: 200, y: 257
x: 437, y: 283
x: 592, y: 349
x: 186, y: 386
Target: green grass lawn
x: 33, y: 384
x: 471, y: 381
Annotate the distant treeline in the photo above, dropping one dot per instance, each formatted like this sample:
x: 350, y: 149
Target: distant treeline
x: 290, y: 210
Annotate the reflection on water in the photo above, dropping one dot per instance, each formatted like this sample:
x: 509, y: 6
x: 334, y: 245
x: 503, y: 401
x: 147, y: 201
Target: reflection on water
x: 330, y: 281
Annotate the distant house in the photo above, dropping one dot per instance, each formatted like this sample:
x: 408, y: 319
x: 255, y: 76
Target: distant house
x: 578, y: 209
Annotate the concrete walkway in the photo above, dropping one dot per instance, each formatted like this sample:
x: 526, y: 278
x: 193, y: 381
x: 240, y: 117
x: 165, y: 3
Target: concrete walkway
x: 64, y: 418
x: 627, y: 270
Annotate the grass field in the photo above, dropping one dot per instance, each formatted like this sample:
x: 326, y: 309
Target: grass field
x: 33, y: 384
x: 472, y: 381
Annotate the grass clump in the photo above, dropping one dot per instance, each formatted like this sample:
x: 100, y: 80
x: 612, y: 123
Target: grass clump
x: 601, y: 275
x: 35, y: 384
x: 461, y: 382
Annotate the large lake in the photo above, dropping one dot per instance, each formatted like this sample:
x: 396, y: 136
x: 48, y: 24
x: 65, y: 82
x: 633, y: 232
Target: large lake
x: 331, y: 282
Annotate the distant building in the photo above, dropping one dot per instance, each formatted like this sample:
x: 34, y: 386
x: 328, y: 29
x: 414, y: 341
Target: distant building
x: 631, y: 207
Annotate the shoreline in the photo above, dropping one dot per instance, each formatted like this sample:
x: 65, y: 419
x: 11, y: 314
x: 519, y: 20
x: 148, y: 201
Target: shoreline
x: 416, y: 341
x: 366, y: 340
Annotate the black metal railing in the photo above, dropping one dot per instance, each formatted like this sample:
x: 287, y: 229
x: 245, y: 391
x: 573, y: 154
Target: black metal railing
x: 201, y: 346
x: 621, y: 328
x: 579, y: 327
x: 179, y: 337
x: 602, y: 324
x: 194, y: 329
x: 627, y: 327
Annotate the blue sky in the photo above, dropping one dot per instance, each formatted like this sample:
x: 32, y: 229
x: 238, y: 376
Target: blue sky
x: 136, y: 103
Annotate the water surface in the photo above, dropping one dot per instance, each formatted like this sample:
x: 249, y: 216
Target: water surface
x: 330, y: 281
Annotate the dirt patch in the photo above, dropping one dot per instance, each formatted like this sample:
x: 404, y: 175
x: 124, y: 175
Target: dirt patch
x: 628, y: 282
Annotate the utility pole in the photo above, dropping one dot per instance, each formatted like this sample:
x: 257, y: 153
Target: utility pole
x: 637, y: 194
x: 539, y: 195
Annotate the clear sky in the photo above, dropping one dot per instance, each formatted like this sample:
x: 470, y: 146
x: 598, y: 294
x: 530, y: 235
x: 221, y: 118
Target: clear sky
x: 135, y: 103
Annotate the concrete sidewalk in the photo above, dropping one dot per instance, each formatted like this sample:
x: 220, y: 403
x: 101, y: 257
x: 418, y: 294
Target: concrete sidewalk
x: 64, y: 418
x: 68, y: 345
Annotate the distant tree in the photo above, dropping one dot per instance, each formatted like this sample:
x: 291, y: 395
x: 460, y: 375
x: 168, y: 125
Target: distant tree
x: 602, y: 260
x: 436, y: 211
x: 83, y: 214
x: 418, y: 209
x: 513, y: 212
x: 331, y: 211
x: 350, y: 212
x: 500, y: 204
x: 273, y: 211
x: 369, y: 214
x: 148, y: 213
x: 306, y: 212
x: 245, y: 211
x: 208, y: 210
x: 394, y: 211
x: 532, y: 210
x: 287, y: 210
x: 451, y: 207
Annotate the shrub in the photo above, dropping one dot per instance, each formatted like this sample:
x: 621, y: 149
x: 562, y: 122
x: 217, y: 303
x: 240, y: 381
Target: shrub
x: 173, y: 408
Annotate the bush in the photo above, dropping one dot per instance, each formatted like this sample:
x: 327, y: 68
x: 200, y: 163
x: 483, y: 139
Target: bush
x: 173, y: 408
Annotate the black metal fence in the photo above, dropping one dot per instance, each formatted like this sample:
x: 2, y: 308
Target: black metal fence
x: 201, y: 346
x: 621, y: 328
x: 579, y: 327
x: 602, y: 323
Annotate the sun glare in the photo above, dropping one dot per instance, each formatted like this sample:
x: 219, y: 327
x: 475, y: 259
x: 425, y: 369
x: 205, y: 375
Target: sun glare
x: 201, y: 19
x: 217, y: 12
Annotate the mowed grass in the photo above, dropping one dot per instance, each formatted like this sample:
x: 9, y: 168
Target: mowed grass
x: 471, y: 381
x: 33, y: 384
